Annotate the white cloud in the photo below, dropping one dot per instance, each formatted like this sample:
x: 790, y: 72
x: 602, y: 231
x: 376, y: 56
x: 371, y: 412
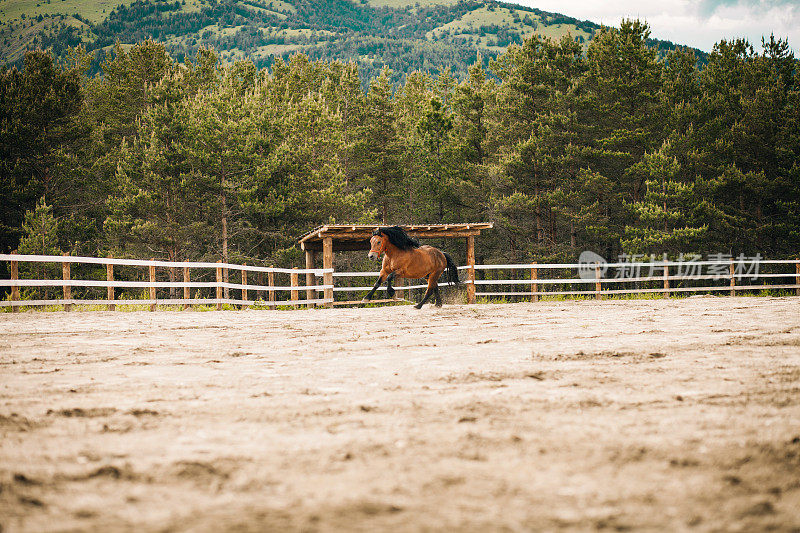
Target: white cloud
x: 698, y: 24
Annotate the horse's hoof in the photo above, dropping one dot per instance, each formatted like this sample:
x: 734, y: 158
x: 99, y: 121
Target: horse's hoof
x: 418, y: 306
x: 364, y: 301
x: 438, y: 305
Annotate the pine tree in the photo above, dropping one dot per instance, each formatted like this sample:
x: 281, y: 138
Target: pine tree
x: 527, y: 87
x: 379, y: 149
x: 38, y: 106
x: 542, y: 166
x: 220, y: 144
x: 622, y: 106
x: 743, y: 126
x: 161, y: 201
x: 666, y: 217
x: 40, y: 236
x: 435, y: 183
x: 342, y: 91
x: 117, y: 98
x: 411, y: 101
x: 786, y: 221
x: 40, y: 231
x: 469, y: 113
x: 472, y: 103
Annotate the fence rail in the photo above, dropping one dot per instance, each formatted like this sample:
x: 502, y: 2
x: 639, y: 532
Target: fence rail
x: 730, y: 272
x: 671, y: 277
x: 221, y: 286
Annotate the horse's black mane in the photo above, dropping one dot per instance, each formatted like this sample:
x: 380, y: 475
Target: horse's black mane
x: 398, y: 237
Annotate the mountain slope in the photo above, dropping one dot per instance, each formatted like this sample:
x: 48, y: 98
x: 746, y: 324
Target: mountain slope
x: 429, y: 35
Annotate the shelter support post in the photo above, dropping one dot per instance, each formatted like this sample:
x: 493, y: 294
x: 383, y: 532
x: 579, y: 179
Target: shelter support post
x: 733, y: 278
x: 534, y: 285
x: 327, y: 263
x: 471, y: 271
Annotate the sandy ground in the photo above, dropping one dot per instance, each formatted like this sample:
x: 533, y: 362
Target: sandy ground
x: 643, y: 415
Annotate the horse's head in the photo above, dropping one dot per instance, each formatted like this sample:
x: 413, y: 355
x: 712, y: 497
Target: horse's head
x: 377, y: 244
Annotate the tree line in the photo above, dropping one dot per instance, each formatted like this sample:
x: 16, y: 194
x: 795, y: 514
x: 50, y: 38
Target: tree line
x: 609, y: 148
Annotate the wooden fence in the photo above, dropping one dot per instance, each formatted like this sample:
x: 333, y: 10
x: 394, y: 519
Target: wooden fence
x: 537, y: 280
x: 542, y: 280
x: 672, y: 277
x: 220, y: 287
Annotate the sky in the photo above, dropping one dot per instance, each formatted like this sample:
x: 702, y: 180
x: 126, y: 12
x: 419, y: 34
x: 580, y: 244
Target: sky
x: 695, y: 23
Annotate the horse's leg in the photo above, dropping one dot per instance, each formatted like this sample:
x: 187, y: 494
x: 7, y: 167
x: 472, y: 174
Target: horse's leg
x: 383, y: 275
x: 431, y: 288
x: 437, y: 297
x: 389, y: 288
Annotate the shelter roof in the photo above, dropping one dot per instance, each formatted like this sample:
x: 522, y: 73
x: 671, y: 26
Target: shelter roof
x: 356, y: 236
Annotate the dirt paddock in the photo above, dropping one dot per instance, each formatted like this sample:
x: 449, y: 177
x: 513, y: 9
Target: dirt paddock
x: 644, y: 414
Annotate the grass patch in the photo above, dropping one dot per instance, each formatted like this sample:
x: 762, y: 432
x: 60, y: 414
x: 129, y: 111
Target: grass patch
x: 397, y: 4
x: 93, y: 10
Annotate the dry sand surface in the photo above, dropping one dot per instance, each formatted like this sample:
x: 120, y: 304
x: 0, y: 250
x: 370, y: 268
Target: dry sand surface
x: 644, y: 414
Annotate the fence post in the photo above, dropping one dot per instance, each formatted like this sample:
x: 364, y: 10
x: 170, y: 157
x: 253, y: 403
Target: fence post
x: 797, y: 277
x: 271, y: 290
x: 14, y: 288
x: 471, y: 271
x: 534, y: 286
x: 226, y: 278
x: 310, y: 279
x: 219, y: 286
x: 110, y: 290
x: 666, y: 280
x: 67, y: 289
x: 152, y: 270
x: 187, y: 292
x: 295, y: 293
x: 597, y: 287
x: 398, y: 283
x: 733, y: 278
x: 327, y: 263
x: 244, y: 289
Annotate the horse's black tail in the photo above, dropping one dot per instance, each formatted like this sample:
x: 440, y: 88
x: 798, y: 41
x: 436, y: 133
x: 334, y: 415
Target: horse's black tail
x: 452, y: 270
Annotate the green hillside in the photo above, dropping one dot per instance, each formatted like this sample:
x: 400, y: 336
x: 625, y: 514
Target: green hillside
x: 430, y: 35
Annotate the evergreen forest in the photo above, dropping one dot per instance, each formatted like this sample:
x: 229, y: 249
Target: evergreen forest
x: 613, y: 146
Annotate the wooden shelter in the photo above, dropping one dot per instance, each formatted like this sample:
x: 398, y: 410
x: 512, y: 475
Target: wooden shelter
x: 331, y: 238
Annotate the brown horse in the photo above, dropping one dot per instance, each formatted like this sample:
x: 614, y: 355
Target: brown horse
x: 406, y: 258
